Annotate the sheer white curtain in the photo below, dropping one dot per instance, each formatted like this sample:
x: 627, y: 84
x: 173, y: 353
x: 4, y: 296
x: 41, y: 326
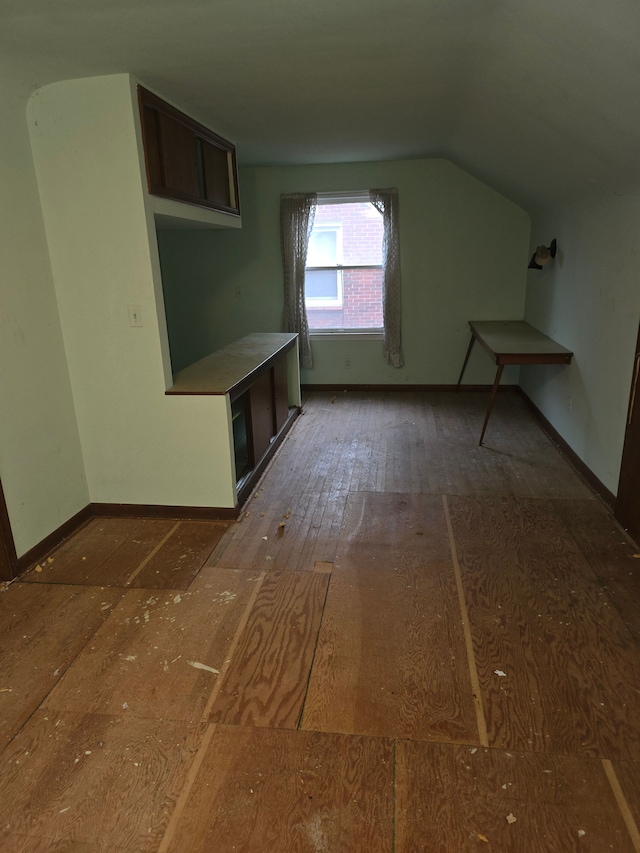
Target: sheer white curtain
x: 297, y: 212
x: 386, y: 202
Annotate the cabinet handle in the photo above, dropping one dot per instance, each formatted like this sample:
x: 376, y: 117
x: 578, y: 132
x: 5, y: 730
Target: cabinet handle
x: 634, y: 387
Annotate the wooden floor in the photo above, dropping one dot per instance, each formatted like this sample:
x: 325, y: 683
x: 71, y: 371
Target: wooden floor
x: 406, y: 643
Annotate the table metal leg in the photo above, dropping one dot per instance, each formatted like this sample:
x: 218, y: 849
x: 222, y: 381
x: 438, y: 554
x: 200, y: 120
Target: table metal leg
x: 492, y: 397
x: 466, y: 359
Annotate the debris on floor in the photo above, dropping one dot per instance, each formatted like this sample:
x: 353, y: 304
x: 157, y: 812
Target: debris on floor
x: 197, y: 665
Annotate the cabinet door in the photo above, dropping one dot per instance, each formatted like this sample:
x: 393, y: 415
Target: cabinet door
x: 179, y: 156
x: 217, y: 183
x: 281, y: 391
x: 262, y: 419
x: 153, y: 156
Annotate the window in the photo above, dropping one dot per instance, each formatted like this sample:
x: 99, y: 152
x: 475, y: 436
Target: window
x: 297, y: 219
x: 343, y: 273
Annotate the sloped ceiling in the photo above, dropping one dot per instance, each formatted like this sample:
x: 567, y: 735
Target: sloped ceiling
x: 539, y: 98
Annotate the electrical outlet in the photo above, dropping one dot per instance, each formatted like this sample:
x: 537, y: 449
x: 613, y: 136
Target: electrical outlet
x: 135, y: 315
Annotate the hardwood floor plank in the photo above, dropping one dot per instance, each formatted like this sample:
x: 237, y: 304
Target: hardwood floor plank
x: 320, y: 510
x: 266, y: 789
x: 266, y: 682
x: 516, y: 458
x: 159, y: 654
x: 559, y: 671
x: 391, y: 656
x: 457, y: 798
x: 609, y: 553
x: 381, y: 530
x: 295, y: 489
x: 376, y: 443
x: 75, y: 781
x: 311, y: 528
x: 42, y: 630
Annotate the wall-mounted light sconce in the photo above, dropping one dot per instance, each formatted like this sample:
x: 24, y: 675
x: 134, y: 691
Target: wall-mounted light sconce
x: 542, y: 256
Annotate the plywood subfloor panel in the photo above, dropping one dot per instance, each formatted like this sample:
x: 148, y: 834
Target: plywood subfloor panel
x: 160, y: 553
x: 180, y: 558
x: 267, y: 789
x: 93, y: 782
x: 254, y: 707
x: 455, y: 798
x: 609, y: 552
x: 267, y: 679
x: 391, y: 656
x: 104, y: 552
x: 42, y: 630
x: 558, y: 670
x: 159, y: 654
x: 627, y: 776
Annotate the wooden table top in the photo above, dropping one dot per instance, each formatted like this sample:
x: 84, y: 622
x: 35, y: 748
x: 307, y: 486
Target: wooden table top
x: 516, y: 342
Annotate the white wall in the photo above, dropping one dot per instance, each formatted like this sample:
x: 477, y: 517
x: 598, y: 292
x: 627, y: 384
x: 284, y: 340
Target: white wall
x: 588, y: 300
x: 40, y: 460
x: 463, y: 257
x: 139, y: 446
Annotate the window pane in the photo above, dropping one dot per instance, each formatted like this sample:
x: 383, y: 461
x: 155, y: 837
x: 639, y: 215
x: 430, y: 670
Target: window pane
x: 321, y: 284
x: 360, y: 307
x: 322, y: 251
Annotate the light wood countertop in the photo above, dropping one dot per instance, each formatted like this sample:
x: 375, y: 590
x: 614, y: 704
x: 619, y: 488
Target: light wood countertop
x: 230, y: 370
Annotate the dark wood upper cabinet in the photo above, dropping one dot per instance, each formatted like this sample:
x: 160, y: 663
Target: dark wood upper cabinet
x: 184, y: 160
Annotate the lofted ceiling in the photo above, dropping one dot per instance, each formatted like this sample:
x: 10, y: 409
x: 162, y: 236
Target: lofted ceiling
x: 540, y: 99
